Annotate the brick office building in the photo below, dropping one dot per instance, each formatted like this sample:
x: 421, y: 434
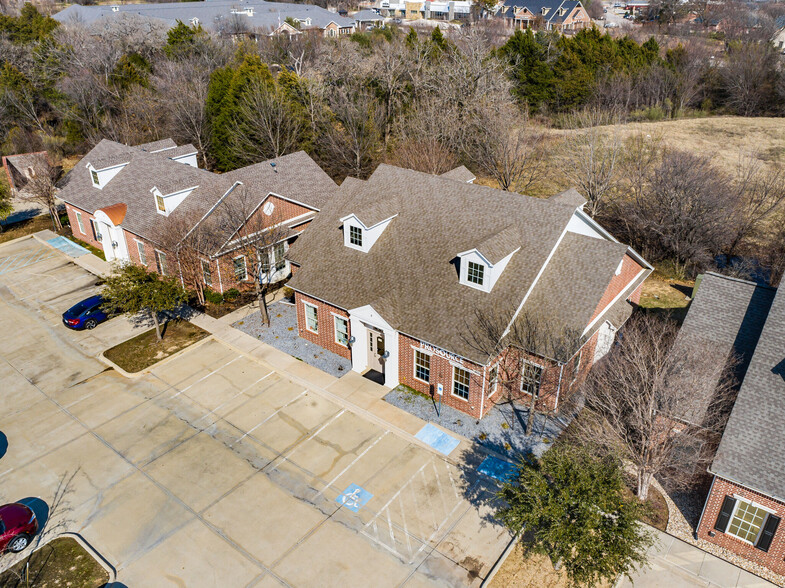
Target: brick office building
x: 746, y: 501
x: 124, y: 200
x: 391, y: 274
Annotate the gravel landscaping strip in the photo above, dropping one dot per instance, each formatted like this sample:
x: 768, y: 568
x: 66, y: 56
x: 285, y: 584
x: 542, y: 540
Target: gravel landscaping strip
x: 501, y: 430
x: 282, y: 334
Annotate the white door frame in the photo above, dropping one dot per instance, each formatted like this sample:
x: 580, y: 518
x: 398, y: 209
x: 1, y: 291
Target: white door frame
x: 360, y: 320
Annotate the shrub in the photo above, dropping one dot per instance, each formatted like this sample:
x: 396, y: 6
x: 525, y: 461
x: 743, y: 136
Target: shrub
x: 231, y: 294
x: 213, y: 297
x: 288, y: 292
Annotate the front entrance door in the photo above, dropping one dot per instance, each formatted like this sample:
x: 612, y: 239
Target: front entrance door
x: 375, y: 350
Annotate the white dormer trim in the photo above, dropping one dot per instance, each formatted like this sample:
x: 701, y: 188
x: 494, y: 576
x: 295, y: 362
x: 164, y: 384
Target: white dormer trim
x: 368, y: 235
x: 187, y: 159
x: 491, y: 272
x: 171, y: 200
x: 104, y: 175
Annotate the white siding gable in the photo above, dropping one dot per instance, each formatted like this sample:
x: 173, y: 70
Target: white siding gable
x: 188, y: 159
x: 104, y: 175
x: 171, y: 201
x: 491, y: 272
x: 369, y: 234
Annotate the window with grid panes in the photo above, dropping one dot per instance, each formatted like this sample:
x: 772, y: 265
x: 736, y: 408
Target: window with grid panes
x: 422, y: 366
x: 475, y: 273
x: 460, y: 383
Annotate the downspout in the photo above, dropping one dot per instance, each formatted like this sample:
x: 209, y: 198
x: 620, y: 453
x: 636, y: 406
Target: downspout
x: 703, y: 511
x: 180, y: 269
x: 558, y: 387
x: 218, y: 265
x: 482, y: 393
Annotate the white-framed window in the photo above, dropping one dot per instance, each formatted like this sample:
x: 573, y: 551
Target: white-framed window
x: 531, y: 374
x: 747, y: 521
x: 460, y: 382
x: 268, y: 208
x: 160, y: 262
x: 159, y: 202
x: 142, y: 253
x: 576, y: 368
x: 265, y: 262
x: 94, y: 175
x: 207, y: 273
x: 79, y: 222
x: 279, y: 250
x: 311, y: 318
x: 422, y: 366
x: 240, y: 268
x: 475, y: 273
x: 96, y: 232
x: 493, y: 380
x: 355, y: 236
x: 341, y: 331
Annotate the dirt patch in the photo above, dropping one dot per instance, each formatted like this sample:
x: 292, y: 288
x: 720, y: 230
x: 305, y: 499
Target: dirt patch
x: 666, y: 295
x: 524, y: 569
x: 61, y: 562
x: 656, y: 506
x: 144, y: 350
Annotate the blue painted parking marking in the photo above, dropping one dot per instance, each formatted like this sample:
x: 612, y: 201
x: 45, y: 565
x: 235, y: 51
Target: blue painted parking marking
x: 21, y: 260
x: 354, y: 497
x: 498, y: 469
x: 67, y: 246
x: 438, y: 439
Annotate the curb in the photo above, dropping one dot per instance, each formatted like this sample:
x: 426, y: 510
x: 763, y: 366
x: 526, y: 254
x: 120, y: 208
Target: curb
x: 500, y: 561
x: 149, y: 368
x: 74, y: 260
x: 96, y: 556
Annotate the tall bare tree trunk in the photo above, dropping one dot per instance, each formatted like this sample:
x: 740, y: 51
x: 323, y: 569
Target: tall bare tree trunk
x: 55, y: 217
x: 157, y: 325
x: 530, y: 419
x: 644, y: 483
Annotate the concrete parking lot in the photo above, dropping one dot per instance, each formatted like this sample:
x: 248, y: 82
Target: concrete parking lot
x: 215, y: 469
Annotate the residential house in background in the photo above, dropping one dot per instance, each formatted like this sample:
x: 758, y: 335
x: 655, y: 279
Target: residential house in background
x: 393, y: 271
x: 547, y: 15
x: 123, y: 199
x: 779, y: 37
x: 419, y: 9
x: 248, y: 18
x: 22, y: 168
x: 746, y: 501
x: 366, y: 19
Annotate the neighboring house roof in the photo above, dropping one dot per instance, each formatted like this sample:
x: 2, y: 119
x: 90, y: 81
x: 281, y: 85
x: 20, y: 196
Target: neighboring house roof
x: 460, y: 174
x: 536, y: 7
x: 17, y: 166
x: 752, y: 449
x: 571, y: 197
x: 295, y: 176
x: 410, y: 275
x: 367, y: 16
x: 211, y: 14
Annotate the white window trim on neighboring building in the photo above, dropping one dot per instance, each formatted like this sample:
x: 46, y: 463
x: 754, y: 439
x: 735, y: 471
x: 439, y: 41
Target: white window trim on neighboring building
x: 743, y: 501
x: 141, y: 251
x: 455, y: 368
x: 415, y: 365
x: 79, y: 222
x: 207, y: 272
x: 307, y: 306
x: 337, y: 332
x: 493, y: 382
x: 245, y: 268
x: 96, y: 232
x: 160, y: 262
x: 524, y: 363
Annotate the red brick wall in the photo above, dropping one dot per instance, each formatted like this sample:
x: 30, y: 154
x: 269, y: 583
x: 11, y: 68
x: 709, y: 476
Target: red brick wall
x: 326, y: 335
x: 773, y: 559
x: 441, y: 373
x: 629, y: 269
x: 87, y: 236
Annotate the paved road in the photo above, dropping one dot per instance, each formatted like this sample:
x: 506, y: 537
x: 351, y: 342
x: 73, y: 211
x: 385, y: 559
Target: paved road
x: 216, y: 469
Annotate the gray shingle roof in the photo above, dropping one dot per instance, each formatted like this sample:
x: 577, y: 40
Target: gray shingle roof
x: 752, y: 450
x: 266, y: 15
x: 298, y: 178
x: 367, y: 16
x: 17, y: 166
x: 460, y: 174
x: 571, y: 197
x: 410, y: 274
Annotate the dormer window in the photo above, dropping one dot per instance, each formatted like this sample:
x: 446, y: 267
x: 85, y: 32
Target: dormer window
x: 94, y: 174
x: 159, y: 202
x: 355, y: 236
x: 166, y: 203
x: 475, y: 273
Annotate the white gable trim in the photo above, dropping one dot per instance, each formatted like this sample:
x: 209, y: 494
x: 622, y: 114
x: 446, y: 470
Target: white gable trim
x: 367, y: 314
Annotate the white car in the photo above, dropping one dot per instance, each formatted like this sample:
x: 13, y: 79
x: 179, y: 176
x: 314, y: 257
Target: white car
x: 611, y: 25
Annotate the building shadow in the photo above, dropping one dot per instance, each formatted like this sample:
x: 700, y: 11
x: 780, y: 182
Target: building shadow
x: 3, y: 444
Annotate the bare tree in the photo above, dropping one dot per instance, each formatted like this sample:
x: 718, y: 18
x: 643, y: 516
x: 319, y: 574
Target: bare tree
x: 42, y: 189
x: 661, y: 405
x: 510, y: 343
x: 257, y: 236
x: 502, y: 144
x: 425, y: 155
x: 590, y: 156
x: 748, y: 75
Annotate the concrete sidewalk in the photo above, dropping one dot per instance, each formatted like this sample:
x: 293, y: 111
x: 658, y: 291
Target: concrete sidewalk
x: 674, y: 563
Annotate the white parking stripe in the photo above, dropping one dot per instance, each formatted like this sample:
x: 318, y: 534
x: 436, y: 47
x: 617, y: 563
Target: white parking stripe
x: 232, y: 398
x: 354, y: 461
x: 311, y: 436
x: 252, y: 429
x: 207, y: 376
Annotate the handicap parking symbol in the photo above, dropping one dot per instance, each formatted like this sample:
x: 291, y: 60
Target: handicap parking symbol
x: 354, y: 497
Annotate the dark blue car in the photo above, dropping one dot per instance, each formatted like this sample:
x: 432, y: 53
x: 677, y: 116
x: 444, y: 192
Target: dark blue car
x: 85, y: 314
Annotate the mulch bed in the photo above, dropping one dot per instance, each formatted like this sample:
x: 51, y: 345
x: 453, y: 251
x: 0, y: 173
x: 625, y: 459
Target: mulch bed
x: 144, y: 350
x: 61, y: 562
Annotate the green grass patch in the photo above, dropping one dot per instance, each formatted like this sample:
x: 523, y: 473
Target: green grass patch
x: 61, y: 562
x: 411, y: 393
x: 23, y: 228
x: 144, y: 350
x: 94, y: 250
